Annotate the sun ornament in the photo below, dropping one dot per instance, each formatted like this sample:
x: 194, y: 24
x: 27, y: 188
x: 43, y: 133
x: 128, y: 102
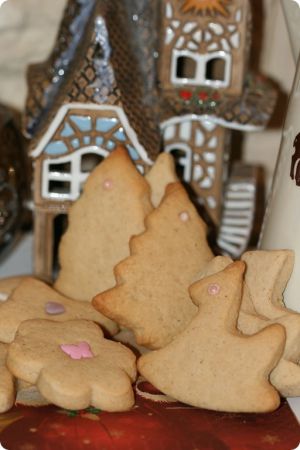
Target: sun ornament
x: 206, y: 6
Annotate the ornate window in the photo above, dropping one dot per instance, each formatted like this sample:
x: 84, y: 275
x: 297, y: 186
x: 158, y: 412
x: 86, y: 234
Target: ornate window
x: 64, y: 177
x: 182, y: 154
x: 211, y: 69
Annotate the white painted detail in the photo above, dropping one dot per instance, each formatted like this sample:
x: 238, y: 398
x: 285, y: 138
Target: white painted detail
x: 199, y: 138
x: 62, y: 112
x: 235, y: 40
x: 231, y: 28
x: 206, y: 183
x: 189, y: 26
x: 197, y: 172
x: 214, y: 120
x: 212, y: 47
x: 208, y: 125
x: 207, y: 36
x: 140, y: 168
x: 213, y: 142
x: 229, y: 229
x: 75, y: 178
x: 197, y: 157
x: 216, y: 28
x: 211, y: 201
x: 225, y: 45
x: 238, y: 15
x: 237, y: 217
x: 175, y: 23
x: 169, y: 11
x: 180, y: 42
x: 169, y: 35
x: 198, y: 36
x: 192, y: 46
x: 185, y: 130
x: 209, y: 157
x: 169, y: 132
x: 201, y: 61
x: 211, y: 171
x: 184, y: 161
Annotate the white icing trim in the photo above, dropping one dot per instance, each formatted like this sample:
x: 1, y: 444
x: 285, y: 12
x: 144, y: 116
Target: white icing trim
x: 201, y: 61
x: 76, y: 177
x: 62, y: 112
x: 185, y: 161
x: 217, y: 120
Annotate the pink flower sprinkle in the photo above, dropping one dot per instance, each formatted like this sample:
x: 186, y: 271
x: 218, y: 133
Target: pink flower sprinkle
x: 184, y: 216
x: 213, y: 289
x: 77, y: 351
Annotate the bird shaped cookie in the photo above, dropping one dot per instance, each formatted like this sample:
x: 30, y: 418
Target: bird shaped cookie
x: 211, y: 364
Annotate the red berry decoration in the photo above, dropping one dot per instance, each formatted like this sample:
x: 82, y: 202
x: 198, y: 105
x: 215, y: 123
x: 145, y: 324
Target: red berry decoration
x: 203, y: 96
x: 185, y: 95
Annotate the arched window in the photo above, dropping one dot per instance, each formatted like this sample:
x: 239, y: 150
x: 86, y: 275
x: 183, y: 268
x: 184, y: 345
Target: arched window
x: 63, y: 178
x: 186, y: 67
x: 215, y: 69
x: 182, y: 154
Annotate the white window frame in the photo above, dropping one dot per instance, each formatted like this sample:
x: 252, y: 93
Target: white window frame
x: 76, y: 177
x: 185, y: 161
x: 201, y: 64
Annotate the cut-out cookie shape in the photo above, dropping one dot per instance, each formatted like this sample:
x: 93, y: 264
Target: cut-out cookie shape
x: 103, y: 379
x: 7, y: 390
x: 151, y: 296
x: 161, y: 174
x: 34, y: 299
x: 111, y: 209
x: 211, y: 364
x: 267, y: 275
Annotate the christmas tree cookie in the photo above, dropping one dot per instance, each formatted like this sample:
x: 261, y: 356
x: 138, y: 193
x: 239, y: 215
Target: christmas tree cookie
x: 151, y: 296
x: 160, y: 175
x: 211, y: 364
x: 112, y: 208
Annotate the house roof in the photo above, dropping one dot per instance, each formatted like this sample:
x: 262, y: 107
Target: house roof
x: 93, y: 63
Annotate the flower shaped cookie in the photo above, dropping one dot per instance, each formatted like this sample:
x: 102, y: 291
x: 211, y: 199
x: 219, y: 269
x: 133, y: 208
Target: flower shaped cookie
x: 72, y: 364
x: 34, y: 299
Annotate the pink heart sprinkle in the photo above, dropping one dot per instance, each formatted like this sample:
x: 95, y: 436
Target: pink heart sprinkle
x: 54, y: 308
x: 213, y: 289
x: 77, y: 351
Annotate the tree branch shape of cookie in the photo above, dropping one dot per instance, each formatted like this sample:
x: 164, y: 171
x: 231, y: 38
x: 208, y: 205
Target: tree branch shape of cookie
x: 211, y: 364
x: 111, y: 209
x: 151, y: 296
x: 72, y: 365
x: 266, y: 277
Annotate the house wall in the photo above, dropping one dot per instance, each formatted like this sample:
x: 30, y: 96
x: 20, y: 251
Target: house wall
x: 199, y: 39
x: 27, y: 33
x: 199, y: 150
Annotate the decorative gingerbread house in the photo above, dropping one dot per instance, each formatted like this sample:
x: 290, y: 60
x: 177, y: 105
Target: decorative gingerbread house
x: 132, y: 72
x: 88, y: 98
x: 207, y: 91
